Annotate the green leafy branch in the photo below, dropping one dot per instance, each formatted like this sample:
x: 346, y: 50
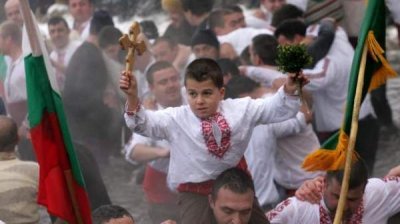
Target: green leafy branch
x: 292, y: 58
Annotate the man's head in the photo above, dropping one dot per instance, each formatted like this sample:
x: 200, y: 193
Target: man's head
x: 109, y: 42
x: 164, y: 83
x: 205, y: 44
x: 193, y: 9
x: 112, y: 214
x: 272, y: 5
x: 357, y: 183
x: 101, y: 18
x: 174, y: 10
x: 263, y: 50
x: 232, y: 197
x: 238, y: 15
x: 242, y: 86
x: 292, y: 31
x: 59, y: 32
x: 204, y: 86
x: 10, y: 37
x: 81, y: 10
x: 165, y: 49
x: 8, y: 134
x: 223, y: 21
x: 229, y: 69
x: 11, y: 8
x: 286, y: 12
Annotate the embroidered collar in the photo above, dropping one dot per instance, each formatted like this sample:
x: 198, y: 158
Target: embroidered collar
x: 325, y: 218
x: 216, y: 134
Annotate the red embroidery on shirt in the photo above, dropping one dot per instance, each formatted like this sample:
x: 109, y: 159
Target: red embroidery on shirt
x: 356, y: 218
x: 209, y: 138
x: 278, y: 209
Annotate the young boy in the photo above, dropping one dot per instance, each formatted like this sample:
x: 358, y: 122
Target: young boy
x: 209, y: 135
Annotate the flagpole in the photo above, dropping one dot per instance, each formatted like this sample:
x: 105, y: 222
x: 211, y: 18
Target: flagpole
x: 37, y: 51
x: 353, y: 135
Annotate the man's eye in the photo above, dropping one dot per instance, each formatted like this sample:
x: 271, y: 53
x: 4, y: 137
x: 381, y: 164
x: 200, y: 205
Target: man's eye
x: 227, y: 211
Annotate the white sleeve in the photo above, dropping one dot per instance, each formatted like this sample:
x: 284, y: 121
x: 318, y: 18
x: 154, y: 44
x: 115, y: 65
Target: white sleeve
x: 385, y: 192
x: 289, y: 127
x: 320, y: 75
x: 129, y: 147
x: 153, y: 124
x: 263, y: 75
x: 276, y: 108
x: 283, y: 213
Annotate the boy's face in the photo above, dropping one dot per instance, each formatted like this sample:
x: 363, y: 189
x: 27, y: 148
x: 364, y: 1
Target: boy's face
x: 203, y: 97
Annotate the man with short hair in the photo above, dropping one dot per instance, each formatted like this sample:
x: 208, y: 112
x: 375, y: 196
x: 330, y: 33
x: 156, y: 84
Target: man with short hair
x: 81, y: 11
x: 63, y: 47
x: 19, y: 179
x: 368, y: 200
x: 196, y: 12
x: 11, y: 8
x: 205, y: 45
x: 222, y: 21
x: 232, y: 198
x: 112, y: 214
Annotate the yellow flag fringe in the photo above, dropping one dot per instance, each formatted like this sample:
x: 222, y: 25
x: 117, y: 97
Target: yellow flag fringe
x: 385, y: 71
x: 325, y: 159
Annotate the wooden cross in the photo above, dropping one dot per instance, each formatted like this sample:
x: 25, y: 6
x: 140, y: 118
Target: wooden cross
x: 130, y: 42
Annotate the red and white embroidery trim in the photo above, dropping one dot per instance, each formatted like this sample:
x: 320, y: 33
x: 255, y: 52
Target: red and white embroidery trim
x: 209, y: 138
x: 278, y: 209
x: 356, y: 218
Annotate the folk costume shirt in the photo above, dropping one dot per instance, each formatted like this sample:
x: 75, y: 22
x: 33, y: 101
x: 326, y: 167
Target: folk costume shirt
x: 202, y: 148
x: 381, y: 200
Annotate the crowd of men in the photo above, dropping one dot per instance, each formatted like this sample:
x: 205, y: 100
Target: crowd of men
x: 220, y: 130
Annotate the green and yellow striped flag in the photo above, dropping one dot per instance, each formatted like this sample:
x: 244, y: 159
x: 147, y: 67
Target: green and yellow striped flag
x: 332, y: 154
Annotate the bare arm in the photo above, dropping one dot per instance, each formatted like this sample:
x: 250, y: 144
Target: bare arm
x: 144, y: 153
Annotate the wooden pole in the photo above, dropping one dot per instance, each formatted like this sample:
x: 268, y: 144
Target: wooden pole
x: 352, y: 140
x: 37, y: 51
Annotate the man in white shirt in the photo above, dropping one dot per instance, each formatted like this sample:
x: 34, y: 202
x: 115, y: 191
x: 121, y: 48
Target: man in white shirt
x: 63, y: 47
x: 368, y: 201
x: 164, y: 83
x: 81, y: 11
x: 208, y: 136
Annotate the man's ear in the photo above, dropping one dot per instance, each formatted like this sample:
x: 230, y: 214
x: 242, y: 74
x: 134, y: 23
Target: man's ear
x: 222, y: 92
x: 211, y: 201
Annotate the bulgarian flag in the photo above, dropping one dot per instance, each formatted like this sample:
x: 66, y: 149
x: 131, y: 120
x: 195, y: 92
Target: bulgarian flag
x: 61, y: 185
x: 369, y: 70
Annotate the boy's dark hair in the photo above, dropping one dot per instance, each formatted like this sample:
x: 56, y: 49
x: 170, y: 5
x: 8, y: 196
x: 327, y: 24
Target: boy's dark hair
x: 240, y: 85
x: 101, y: 18
x: 56, y: 20
x: 155, y: 67
x: 233, y: 179
x: 290, y: 28
x: 358, y: 174
x: 104, y: 213
x: 216, y: 18
x: 203, y: 69
x: 228, y: 66
x: 265, y: 46
x: 288, y: 11
x: 8, y: 134
x: 197, y: 7
x: 109, y: 35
